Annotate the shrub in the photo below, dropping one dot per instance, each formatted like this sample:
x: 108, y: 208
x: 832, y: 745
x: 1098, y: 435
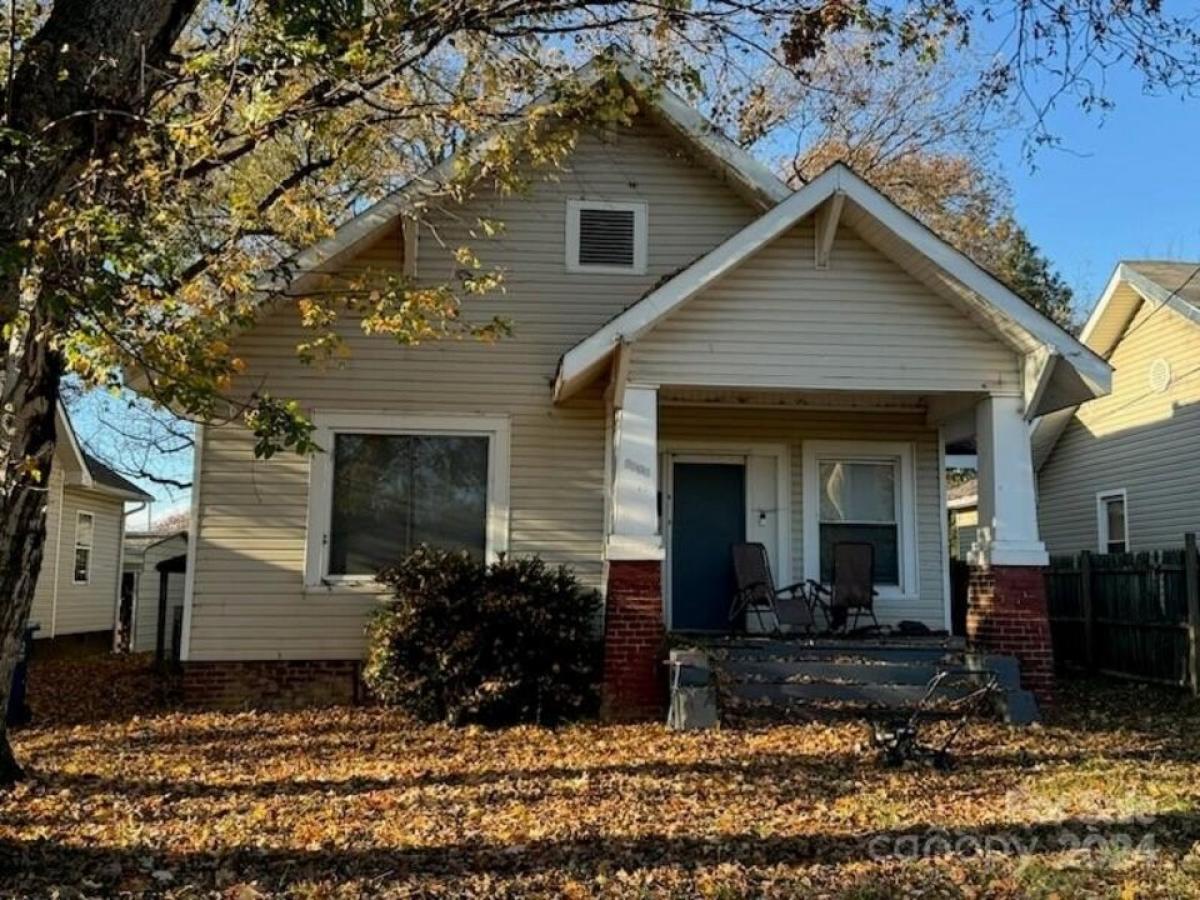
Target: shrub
x: 500, y: 643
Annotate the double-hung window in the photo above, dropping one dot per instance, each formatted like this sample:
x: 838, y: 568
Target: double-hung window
x: 85, y: 530
x: 1112, y: 522
x: 385, y: 485
x: 861, y: 492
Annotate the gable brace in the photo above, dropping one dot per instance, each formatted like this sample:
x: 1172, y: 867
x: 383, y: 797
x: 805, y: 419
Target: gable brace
x: 827, y: 222
x: 408, y: 228
x: 620, y: 374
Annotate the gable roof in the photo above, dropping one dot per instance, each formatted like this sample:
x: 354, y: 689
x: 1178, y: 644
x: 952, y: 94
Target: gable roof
x: 1057, y: 358
x: 1133, y: 282
x: 106, y: 479
x: 745, y: 174
x: 93, y: 474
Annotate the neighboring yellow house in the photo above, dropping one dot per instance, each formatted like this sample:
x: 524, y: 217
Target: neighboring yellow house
x: 701, y: 356
x: 962, y: 506
x: 1122, y: 473
x: 76, y: 596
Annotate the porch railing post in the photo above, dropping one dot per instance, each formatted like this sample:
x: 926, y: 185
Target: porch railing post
x: 1191, y: 582
x: 1089, y: 614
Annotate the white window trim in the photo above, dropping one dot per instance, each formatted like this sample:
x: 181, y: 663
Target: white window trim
x: 641, y: 221
x: 320, y: 485
x: 1102, y: 519
x: 76, y: 547
x: 906, y: 499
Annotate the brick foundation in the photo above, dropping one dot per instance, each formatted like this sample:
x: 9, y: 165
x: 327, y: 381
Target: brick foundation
x: 282, y: 684
x: 635, y: 679
x: 1006, y: 613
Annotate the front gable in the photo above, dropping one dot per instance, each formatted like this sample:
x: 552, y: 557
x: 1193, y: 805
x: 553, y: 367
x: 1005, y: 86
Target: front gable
x: 857, y: 323
x: 1055, y: 369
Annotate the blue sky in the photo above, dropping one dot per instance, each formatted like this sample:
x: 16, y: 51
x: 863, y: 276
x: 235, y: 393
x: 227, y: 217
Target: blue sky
x: 1125, y: 184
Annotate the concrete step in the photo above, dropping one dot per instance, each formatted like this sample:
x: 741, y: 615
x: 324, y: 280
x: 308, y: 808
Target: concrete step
x: 787, y: 650
x: 795, y: 670
x: 894, y: 696
x: 899, y: 673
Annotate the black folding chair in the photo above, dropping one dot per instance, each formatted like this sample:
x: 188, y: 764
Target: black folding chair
x: 756, y: 592
x: 852, y: 592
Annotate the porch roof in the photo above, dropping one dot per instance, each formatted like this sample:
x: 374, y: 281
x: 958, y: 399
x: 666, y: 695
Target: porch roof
x: 1060, y: 370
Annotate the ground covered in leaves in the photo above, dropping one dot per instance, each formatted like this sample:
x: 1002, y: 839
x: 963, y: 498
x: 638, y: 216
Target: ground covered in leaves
x: 1103, y: 801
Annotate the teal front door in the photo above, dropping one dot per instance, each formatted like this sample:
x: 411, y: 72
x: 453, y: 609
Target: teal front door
x: 708, y: 517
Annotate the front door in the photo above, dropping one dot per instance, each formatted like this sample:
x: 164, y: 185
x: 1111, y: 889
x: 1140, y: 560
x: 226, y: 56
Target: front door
x: 708, y: 516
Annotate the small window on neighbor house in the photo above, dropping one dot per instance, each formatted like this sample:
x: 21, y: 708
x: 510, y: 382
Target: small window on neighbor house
x: 1112, y: 522
x: 85, y: 526
x: 606, y: 237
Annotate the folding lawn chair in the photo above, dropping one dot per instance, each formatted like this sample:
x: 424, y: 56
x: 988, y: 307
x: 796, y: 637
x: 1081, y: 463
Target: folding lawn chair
x: 853, y: 590
x: 756, y: 592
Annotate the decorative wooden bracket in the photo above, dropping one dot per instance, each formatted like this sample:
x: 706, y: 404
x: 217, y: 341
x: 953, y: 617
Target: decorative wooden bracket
x: 827, y: 222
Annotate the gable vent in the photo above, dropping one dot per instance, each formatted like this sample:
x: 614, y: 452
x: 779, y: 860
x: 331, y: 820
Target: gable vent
x: 606, y: 237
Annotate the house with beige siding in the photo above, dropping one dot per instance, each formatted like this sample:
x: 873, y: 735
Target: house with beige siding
x: 700, y: 356
x: 1120, y: 473
x: 76, y: 595
x: 152, y: 591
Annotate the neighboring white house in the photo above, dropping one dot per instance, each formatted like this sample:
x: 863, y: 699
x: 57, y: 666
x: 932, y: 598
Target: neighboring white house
x: 77, y: 589
x: 1122, y: 473
x: 142, y: 586
x: 701, y: 356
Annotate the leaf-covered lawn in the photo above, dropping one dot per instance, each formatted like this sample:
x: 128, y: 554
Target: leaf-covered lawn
x: 1104, y: 801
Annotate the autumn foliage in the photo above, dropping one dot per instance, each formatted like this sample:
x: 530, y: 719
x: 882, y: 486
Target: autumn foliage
x: 363, y: 803
x: 494, y: 643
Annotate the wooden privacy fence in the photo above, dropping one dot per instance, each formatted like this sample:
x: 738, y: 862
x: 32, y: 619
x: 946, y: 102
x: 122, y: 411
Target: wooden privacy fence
x: 1133, y: 615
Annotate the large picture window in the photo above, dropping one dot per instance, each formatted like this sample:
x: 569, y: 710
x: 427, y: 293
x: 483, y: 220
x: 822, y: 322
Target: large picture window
x: 381, y: 489
x: 861, y: 492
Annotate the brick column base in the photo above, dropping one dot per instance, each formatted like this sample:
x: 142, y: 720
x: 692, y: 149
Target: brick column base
x: 1007, y: 614
x: 635, y: 679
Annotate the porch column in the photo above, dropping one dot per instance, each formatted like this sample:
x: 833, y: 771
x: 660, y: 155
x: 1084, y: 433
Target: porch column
x: 1006, y: 601
x: 634, y: 634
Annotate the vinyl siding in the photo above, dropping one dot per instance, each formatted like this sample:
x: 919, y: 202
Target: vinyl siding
x: 861, y: 324
x: 249, y: 601
x: 722, y: 424
x: 146, y: 628
x: 1145, y: 442
x: 81, y: 608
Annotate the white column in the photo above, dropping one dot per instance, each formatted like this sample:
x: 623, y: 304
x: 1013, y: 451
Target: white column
x: 1008, y: 527
x: 634, y: 531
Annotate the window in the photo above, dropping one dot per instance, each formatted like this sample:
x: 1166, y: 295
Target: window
x: 1112, y: 521
x: 379, y: 490
x: 858, y: 503
x: 85, y: 527
x: 606, y: 237
x: 861, y: 491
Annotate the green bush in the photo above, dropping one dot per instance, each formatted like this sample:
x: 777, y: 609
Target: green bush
x: 500, y: 643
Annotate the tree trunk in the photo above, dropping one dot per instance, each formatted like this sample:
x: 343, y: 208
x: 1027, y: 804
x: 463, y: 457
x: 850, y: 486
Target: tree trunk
x: 88, y: 55
x: 28, y: 439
